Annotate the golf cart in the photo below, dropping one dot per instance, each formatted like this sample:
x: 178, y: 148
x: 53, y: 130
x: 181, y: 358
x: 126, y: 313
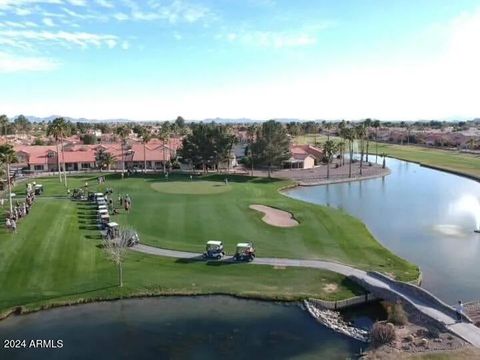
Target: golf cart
x: 112, y: 231
x: 104, y: 220
x: 38, y: 189
x: 244, y: 252
x: 113, y: 234
x: 214, y: 250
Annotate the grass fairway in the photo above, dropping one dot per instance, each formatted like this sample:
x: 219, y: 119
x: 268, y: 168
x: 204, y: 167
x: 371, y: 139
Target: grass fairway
x: 54, y: 256
x: 188, y: 187
x: 467, y: 164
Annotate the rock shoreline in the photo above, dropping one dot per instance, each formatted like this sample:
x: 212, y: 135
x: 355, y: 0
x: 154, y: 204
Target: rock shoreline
x: 333, y: 320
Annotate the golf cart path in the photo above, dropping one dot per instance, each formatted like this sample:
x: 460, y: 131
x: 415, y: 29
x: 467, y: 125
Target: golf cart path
x: 422, y: 300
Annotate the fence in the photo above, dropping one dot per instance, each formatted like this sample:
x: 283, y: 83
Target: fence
x: 341, y: 304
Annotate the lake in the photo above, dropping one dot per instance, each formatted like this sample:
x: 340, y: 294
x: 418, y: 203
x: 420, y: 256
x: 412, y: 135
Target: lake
x: 421, y: 214
x: 206, y: 327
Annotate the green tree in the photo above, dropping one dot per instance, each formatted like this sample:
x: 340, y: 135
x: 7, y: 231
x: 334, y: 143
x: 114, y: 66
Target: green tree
x: 89, y: 139
x: 8, y: 157
x: 272, y: 145
x: 198, y: 147
x: 223, y: 141
x: 329, y: 149
x: 105, y: 159
x: 57, y: 129
x: 3, y: 124
x: 123, y: 132
x: 22, y: 124
x: 146, y: 136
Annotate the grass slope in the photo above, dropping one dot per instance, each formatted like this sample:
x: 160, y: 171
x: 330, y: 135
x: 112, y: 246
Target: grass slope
x: 54, y: 256
x: 462, y: 163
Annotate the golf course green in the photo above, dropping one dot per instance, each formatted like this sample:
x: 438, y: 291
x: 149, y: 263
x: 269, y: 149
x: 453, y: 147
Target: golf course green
x: 56, y: 257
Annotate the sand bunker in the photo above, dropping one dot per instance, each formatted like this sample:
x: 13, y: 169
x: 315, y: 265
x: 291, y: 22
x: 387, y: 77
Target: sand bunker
x: 330, y: 288
x: 275, y: 217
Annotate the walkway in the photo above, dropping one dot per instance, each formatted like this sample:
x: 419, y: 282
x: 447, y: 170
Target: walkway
x: 423, y: 301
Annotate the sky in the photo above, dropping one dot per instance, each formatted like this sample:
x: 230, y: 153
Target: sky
x: 258, y: 59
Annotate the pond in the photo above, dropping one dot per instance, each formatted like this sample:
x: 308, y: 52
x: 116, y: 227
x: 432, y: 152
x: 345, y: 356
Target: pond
x: 423, y: 215
x: 207, y: 327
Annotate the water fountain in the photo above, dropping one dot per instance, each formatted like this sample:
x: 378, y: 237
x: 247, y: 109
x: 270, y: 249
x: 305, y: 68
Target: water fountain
x: 470, y: 204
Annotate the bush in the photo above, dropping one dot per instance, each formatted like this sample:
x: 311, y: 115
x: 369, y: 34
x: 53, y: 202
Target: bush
x: 382, y: 334
x: 397, y: 315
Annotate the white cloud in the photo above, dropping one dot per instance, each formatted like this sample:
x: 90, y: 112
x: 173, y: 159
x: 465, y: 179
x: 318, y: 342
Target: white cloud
x: 81, y: 39
x: 125, y: 45
x: 77, y: 2
x: 48, y: 22
x: 12, y: 63
x: 105, y: 3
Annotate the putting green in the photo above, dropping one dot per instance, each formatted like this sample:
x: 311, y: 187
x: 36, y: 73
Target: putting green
x: 195, y: 187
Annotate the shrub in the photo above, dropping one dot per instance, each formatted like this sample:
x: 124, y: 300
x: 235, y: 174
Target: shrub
x: 382, y: 334
x: 397, y: 315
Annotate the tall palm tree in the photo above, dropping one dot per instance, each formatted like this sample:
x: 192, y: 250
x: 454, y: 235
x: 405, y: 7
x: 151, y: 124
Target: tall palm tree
x: 376, y: 125
x: 329, y: 149
x: 383, y: 155
x: 164, y: 136
x: 342, y: 127
x: 350, y: 135
x: 251, y: 131
x: 146, y: 136
x: 367, y: 123
x: 57, y: 129
x: 360, y: 131
x: 7, y: 157
x: 123, y: 132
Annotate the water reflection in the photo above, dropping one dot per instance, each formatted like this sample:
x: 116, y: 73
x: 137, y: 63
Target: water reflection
x: 178, y: 328
x: 421, y: 214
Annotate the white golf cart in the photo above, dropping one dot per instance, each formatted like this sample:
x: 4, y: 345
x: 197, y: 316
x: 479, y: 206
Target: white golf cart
x: 214, y: 250
x: 244, y: 252
x: 112, y: 231
x: 113, y: 234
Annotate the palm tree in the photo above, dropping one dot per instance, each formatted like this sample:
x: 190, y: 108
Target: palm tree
x: 383, y: 155
x: 376, y: 125
x: 146, y: 136
x: 7, y: 157
x: 251, y: 131
x: 349, y: 135
x: 123, y: 131
x: 164, y: 136
x: 329, y: 149
x: 471, y: 143
x: 57, y: 128
x: 341, y: 149
x: 367, y: 123
x: 360, y: 130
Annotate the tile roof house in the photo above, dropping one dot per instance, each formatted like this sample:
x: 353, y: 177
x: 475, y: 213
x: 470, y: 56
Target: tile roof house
x: 82, y: 157
x: 303, y: 157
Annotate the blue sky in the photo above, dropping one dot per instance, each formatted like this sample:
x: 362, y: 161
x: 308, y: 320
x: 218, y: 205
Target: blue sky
x: 156, y: 59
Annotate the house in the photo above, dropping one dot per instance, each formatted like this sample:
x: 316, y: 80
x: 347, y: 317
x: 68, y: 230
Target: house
x: 303, y: 157
x: 83, y: 157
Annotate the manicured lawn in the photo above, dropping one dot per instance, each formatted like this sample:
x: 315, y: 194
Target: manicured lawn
x: 467, y: 164
x: 449, y: 160
x: 55, y: 254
